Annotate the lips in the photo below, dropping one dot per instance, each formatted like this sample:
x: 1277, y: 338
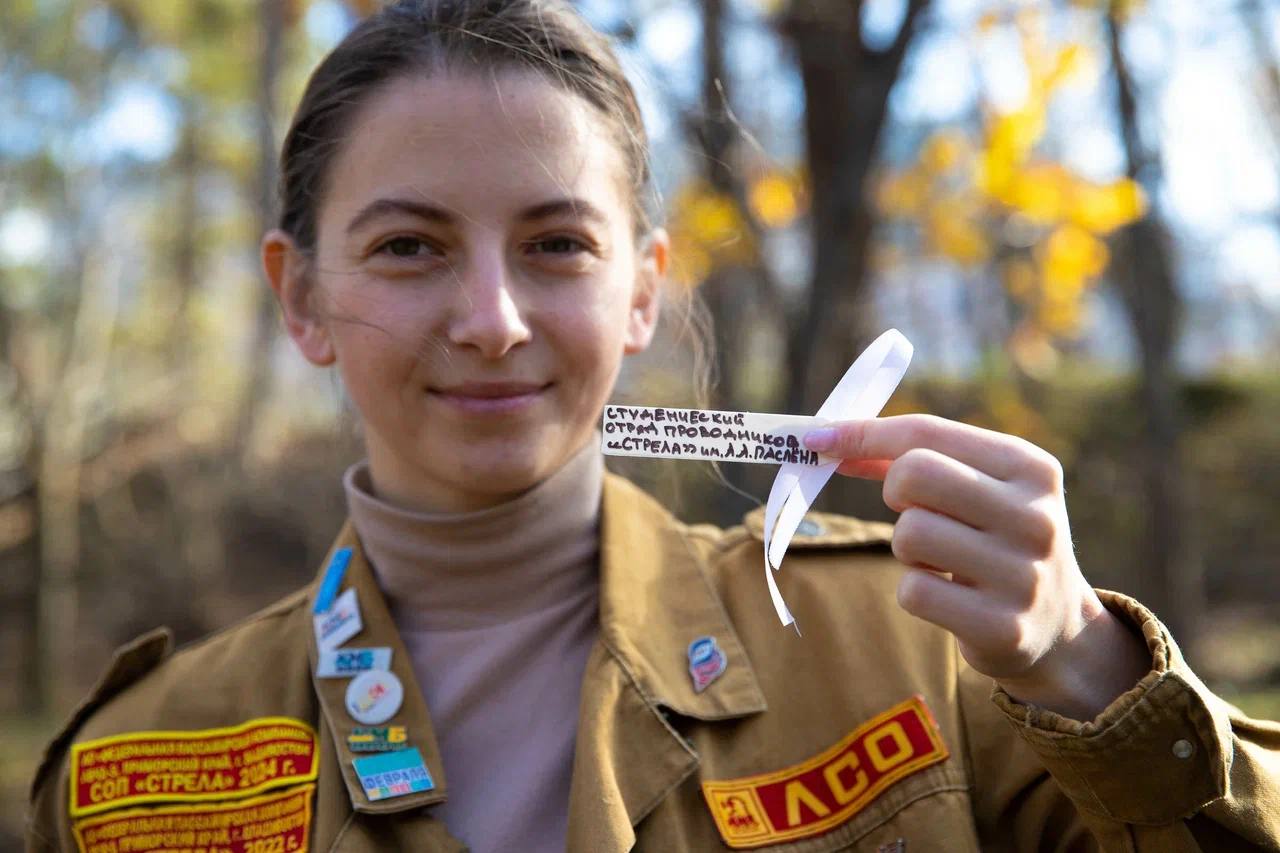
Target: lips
x: 490, y: 398
x: 490, y: 390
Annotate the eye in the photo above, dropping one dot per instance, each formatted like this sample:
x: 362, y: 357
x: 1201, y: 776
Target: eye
x: 558, y: 245
x: 404, y: 247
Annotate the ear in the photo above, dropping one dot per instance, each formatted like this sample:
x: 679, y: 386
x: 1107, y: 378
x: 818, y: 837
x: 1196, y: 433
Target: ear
x: 288, y: 272
x: 646, y: 296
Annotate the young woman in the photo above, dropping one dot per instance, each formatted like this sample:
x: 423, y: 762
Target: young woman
x: 509, y: 649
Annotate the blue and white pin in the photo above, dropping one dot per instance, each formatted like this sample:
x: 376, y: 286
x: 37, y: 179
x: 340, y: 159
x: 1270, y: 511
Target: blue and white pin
x: 706, y: 662
x: 336, y: 617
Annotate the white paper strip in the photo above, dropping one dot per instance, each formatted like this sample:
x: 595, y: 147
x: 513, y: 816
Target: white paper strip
x: 859, y: 395
x: 659, y: 432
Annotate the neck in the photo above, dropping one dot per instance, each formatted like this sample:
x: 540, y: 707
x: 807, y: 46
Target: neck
x: 453, y: 570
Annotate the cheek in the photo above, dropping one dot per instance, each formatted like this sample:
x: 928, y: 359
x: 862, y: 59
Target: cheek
x: 592, y: 332
x: 371, y: 324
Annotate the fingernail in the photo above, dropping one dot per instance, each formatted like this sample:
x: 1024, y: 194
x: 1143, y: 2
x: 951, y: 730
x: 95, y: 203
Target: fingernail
x: 820, y: 439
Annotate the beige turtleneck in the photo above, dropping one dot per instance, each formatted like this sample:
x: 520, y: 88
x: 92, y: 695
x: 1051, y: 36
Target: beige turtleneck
x: 498, y: 611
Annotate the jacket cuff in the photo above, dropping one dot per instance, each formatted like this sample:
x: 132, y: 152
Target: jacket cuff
x: 1157, y: 754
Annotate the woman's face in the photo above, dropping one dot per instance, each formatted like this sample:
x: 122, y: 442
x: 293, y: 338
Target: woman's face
x: 477, y: 281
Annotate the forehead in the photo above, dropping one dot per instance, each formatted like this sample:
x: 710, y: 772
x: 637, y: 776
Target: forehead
x: 483, y: 145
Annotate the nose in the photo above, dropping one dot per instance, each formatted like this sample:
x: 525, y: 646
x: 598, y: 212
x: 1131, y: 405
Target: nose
x: 486, y: 316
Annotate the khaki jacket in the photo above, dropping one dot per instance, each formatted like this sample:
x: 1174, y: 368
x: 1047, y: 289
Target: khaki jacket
x: 868, y: 733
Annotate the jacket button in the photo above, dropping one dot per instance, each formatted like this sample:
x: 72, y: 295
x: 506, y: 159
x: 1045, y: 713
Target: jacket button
x: 1183, y: 748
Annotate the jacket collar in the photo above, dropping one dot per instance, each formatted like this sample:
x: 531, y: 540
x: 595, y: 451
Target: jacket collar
x: 656, y: 597
x: 378, y: 629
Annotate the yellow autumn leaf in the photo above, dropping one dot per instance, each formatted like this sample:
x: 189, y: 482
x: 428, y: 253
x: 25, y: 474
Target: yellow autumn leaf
x: 1104, y: 208
x: 1013, y: 135
x: 994, y: 173
x: 950, y: 230
x: 1059, y: 317
x: 712, y: 219
x: 1069, y: 60
x: 1069, y: 260
x: 1039, y: 192
x: 773, y: 199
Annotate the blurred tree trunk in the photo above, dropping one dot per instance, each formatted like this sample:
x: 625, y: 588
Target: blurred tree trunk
x: 271, y: 27
x: 846, y: 85
x: 19, y: 546
x: 714, y: 132
x: 195, y: 493
x: 732, y: 291
x: 1168, y: 567
x: 65, y: 432
x: 187, y: 162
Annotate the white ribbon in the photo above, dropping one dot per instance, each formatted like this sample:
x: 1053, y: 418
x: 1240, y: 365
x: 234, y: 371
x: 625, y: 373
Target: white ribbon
x: 860, y: 395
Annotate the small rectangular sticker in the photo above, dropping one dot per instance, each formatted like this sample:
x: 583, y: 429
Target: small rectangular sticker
x: 344, y: 663
x: 393, y: 774
x: 818, y: 795
x: 187, y: 766
x: 659, y: 432
x: 275, y: 822
x: 340, y: 624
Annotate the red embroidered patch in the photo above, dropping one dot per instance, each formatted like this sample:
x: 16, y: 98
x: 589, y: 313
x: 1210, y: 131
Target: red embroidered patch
x: 208, y: 764
x: 817, y: 795
x: 275, y: 823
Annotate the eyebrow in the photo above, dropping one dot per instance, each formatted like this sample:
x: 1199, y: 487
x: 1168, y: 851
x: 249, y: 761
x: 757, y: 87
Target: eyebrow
x: 577, y: 207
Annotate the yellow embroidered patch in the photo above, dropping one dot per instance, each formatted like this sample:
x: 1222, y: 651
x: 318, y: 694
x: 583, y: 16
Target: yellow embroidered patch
x: 187, y: 766
x: 817, y: 795
x: 275, y: 823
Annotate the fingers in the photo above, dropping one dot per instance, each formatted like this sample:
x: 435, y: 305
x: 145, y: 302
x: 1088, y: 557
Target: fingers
x: 924, y: 538
x: 959, y: 609
x: 998, y: 455
x: 867, y: 469
x: 927, y: 478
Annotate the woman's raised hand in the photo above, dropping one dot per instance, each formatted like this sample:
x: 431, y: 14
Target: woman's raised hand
x: 983, y: 529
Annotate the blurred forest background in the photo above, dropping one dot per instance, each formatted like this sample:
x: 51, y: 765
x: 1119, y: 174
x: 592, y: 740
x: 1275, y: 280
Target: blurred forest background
x: 1071, y: 208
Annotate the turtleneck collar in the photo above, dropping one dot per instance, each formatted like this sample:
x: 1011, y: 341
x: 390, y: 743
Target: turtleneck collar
x: 462, y: 571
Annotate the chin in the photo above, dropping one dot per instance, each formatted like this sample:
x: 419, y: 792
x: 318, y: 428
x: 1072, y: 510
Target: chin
x: 502, y: 471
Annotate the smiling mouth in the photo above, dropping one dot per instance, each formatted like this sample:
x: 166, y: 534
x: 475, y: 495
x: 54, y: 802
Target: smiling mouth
x: 490, y: 398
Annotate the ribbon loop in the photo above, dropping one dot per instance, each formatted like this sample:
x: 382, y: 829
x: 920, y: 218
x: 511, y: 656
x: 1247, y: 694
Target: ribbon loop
x: 860, y: 395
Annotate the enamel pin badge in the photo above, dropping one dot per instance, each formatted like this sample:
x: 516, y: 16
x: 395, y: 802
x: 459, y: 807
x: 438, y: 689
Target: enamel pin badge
x: 345, y: 663
x: 706, y: 662
x: 374, y: 697
x: 766, y: 438
x: 393, y: 774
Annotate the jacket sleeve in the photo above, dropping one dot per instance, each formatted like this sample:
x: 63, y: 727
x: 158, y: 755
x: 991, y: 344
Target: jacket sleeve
x: 1167, y: 767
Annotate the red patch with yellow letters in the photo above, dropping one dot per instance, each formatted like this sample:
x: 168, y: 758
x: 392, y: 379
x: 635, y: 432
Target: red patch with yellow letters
x: 209, y: 764
x: 817, y: 795
x: 275, y: 823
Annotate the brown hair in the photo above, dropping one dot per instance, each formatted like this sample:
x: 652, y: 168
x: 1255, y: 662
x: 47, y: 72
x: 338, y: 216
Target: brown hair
x: 407, y: 36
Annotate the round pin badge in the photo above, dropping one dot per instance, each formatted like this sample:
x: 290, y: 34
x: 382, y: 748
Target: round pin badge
x: 373, y: 697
